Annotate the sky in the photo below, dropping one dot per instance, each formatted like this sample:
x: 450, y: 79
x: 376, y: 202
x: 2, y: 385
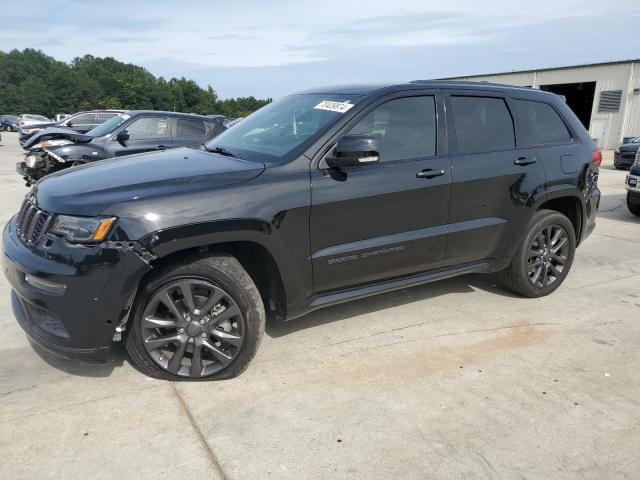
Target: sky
x: 274, y: 47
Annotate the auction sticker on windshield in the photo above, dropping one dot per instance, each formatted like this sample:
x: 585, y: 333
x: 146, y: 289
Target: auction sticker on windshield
x: 340, y: 107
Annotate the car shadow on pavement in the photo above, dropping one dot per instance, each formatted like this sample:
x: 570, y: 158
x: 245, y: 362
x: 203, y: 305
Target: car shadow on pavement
x: 614, y: 207
x: 82, y: 369
x: 468, y: 283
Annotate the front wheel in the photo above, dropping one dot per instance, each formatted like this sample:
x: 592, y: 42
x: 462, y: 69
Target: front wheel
x: 198, y: 320
x: 544, y: 257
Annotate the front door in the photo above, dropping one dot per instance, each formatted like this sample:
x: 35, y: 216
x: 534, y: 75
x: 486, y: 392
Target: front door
x: 386, y: 219
x: 145, y: 134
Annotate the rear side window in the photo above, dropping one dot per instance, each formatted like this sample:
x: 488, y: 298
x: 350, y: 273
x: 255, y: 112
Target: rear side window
x: 103, y: 117
x: 190, y: 128
x: 84, y: 119
x: 542, y: 123
x: 405, y: 128
x: 482, y: 124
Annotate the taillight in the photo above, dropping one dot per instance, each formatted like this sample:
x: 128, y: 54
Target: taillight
x: 597, y: 157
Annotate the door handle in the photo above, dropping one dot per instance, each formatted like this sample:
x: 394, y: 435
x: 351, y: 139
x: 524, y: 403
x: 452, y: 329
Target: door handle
x: 161, y: 147
x: 524, y: 161
x: 429, y: 173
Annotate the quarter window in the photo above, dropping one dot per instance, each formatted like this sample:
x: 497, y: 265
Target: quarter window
x: 405, y: 128
x: 482, y: 124
x: 149, y: 128
x: 190, y: 129
x: 542, y: 123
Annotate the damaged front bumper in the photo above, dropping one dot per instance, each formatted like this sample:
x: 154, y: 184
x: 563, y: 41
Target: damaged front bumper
x: 70, y: 298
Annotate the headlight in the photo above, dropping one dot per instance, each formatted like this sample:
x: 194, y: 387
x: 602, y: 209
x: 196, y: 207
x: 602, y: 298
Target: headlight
x: 637, y: 160
x: 82, y: 229
x: 31, y: 161
x: 52, y: 143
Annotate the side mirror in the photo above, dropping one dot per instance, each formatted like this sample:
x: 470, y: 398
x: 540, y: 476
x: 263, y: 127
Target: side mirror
x: 69, y: 123
x: 122, y: 136
x: 352, y: 150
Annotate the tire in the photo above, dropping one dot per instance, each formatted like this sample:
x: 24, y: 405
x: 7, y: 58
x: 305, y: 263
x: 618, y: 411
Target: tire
x: 516, y: 277
x: 218, y: 274
x: 633, y: 206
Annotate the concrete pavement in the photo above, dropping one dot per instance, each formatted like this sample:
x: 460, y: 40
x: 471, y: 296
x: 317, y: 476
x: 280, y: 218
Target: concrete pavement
x: 457, y: 379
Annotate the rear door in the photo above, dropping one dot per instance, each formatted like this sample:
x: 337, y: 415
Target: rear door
x: 190, y: 132
x: 388, y: 219
x: 494, y: 174
x: 146, y: 134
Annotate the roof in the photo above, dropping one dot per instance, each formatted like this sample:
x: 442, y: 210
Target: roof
x: 369, y: 88
x: 547, y: 69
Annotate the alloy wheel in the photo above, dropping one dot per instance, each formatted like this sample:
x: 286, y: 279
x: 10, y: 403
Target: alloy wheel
x: 548, y: 254
x: 192, y: 328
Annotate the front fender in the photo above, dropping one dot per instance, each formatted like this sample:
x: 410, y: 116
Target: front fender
x: 295, y: 277
x: 77, y: 152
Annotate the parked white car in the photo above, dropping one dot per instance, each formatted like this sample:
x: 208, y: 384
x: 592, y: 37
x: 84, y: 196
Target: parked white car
x: 27, y: 119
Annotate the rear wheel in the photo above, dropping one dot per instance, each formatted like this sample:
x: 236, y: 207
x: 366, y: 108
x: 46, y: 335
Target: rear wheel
x: 201, y: 320
x: 633, y: 206
x: 544, y: 257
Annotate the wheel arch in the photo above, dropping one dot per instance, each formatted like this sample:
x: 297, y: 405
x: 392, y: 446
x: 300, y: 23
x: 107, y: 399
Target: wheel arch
x: 570, y: 203
x: 254, y: 252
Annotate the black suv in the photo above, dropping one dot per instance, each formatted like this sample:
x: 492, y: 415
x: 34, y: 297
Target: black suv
x: 318, y: 198
x: 126, y: 133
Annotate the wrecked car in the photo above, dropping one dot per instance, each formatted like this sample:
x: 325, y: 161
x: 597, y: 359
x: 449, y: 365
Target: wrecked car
x: 127, y: 133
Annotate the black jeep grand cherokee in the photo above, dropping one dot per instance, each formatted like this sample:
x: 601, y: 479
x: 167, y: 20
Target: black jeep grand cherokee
x: 318, y: 198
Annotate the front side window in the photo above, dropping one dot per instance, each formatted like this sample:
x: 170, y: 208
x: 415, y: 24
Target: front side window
x: 405, y: 128
x: 542, y: 123
x: 148, y: 128
x: 190, y: 128
x: 284, y: 128
x: 109, y: 126
x: 482, y: 124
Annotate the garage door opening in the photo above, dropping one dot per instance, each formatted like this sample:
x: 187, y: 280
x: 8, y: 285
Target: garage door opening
x: 579, y: 97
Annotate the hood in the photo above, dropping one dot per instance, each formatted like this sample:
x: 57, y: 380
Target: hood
x: 56, y: 132
x: 89, y: 189
x: 629, y: 147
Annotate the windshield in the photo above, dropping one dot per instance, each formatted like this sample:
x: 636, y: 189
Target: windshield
x: 283, y: 128
x: 108, y: 126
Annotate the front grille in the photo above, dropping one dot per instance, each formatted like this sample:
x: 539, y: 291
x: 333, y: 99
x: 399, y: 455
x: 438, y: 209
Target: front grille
x: 31, y: 222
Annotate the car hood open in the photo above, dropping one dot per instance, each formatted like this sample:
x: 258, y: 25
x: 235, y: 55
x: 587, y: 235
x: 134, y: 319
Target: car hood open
x: 89, y: 189
x: 54, y: 133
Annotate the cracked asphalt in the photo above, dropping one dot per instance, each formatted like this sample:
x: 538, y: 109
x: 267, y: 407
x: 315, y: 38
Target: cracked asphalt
x: 456, y: 379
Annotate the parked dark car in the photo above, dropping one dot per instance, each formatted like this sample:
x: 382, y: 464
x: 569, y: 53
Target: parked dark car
x: 625, y: 155
x: 633, y: 187
x: 318, y: 198
x: 9, y: 123
x: 130, y: 132
x: 80, y: 122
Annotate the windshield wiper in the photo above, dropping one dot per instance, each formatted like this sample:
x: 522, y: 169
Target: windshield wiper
x: 221, y: 150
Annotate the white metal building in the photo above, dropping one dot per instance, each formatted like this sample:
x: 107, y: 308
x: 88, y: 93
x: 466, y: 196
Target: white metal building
x: 605, y: 96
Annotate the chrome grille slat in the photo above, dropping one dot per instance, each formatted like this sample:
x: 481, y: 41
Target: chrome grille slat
x: 31, y: 222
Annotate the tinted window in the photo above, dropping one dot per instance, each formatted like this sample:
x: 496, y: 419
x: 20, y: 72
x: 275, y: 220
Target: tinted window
x: 190, y: 129
x: 482, y: 124
x: 542, y: 123
x: 84, y: 119
x: 149, y: 127
x: 405, y: 128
